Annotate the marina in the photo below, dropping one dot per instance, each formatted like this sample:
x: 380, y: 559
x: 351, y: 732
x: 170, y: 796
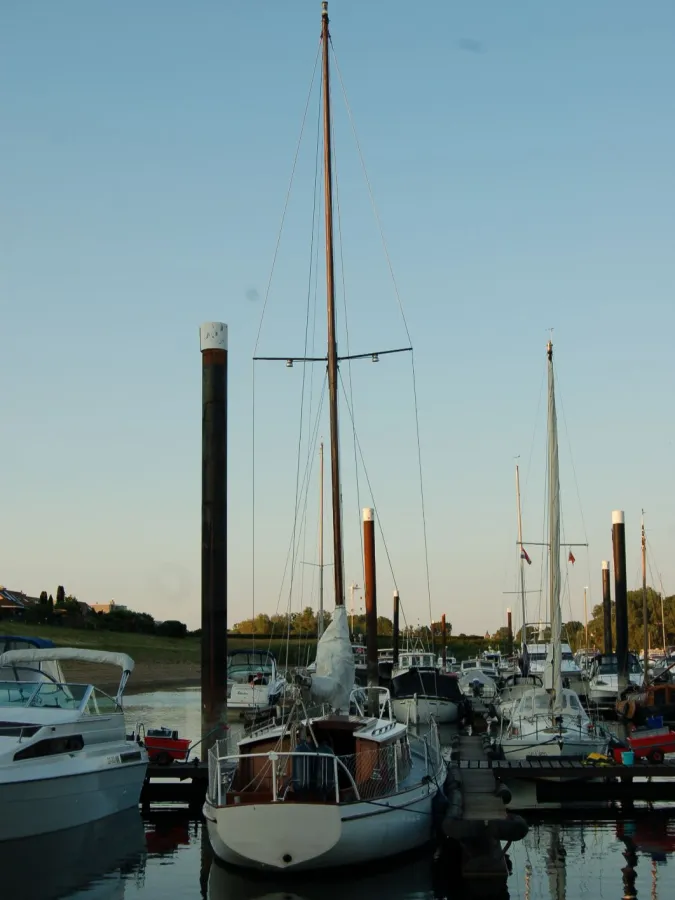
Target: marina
x: 284, y: 667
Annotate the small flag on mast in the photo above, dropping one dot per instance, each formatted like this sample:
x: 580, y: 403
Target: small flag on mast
x: 571, y: 558
x: 523, y: 555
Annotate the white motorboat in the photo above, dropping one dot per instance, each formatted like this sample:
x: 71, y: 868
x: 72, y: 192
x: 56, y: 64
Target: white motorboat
x: 515, y: 686
x: 253, y: 681
x: 420, y: 691
x: 323, y: 792
x: 64, y: 756
x: 572, y: 673
x: 603, y: 679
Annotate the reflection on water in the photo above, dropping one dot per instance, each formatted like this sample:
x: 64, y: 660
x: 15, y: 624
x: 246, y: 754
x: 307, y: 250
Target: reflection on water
x: 165, y: 855
x: 95, y: 861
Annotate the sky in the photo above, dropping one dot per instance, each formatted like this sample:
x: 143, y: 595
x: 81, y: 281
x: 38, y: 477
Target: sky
x: 521, y: 160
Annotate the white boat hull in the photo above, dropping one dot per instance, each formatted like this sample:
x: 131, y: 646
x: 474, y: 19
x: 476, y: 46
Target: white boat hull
x: 297, y: 837
x: 42, y: 805
x: 420, y: 710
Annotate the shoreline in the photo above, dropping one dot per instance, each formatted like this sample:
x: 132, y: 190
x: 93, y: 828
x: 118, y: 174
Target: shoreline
x: 146, y: 678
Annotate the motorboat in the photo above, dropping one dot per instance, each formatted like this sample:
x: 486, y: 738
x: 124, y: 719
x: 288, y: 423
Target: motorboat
x: 420, y: 691
x: 515, y: 685
x: 533, y: 729
x: 329, y: 791
x: 253, y: 681
x: 603, y: 678
x: 573, y: 675
x: 474, y: 683
x: 64, y: 755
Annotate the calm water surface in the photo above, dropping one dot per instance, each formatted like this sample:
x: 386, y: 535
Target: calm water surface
x: 165, y: 855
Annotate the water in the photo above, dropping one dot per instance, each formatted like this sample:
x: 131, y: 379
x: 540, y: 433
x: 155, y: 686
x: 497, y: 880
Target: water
x: 165, y: 855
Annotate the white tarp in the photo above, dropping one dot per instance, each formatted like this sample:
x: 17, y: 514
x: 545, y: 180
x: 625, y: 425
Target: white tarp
x: 335, y: 670
x: 76, y: 654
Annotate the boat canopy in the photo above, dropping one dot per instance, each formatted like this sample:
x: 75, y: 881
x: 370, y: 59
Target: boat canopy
x: 15, y: 659
x: 79, y: 654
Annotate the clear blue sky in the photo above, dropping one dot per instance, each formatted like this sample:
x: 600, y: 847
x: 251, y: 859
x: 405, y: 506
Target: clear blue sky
x: 521, y: 157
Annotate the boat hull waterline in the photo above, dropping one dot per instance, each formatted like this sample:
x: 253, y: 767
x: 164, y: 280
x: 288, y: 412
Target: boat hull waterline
x: 304, y: 836
x: 43, y: 805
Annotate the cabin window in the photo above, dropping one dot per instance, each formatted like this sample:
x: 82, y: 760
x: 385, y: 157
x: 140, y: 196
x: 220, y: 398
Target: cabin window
x: 571, y: 700
x: 542, y: 702
x: 51, y: 747
x: 526, y: 706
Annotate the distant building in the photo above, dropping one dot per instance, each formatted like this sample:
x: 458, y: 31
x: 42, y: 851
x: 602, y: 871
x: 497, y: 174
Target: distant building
x: 106, y: 607
x: 15, y: 602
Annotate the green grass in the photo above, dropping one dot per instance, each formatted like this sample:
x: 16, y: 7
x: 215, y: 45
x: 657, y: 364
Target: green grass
x: 151, y: 648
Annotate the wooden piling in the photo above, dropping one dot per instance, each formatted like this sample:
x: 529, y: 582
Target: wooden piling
x: 606, y: 607
x: 371, y: 608
x: 620, y: 595
x: 213, y: 340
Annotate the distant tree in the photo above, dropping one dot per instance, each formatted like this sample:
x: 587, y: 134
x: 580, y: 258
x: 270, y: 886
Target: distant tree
x: 44, y: 598
x: 60, y: 595
x: 171, y: 628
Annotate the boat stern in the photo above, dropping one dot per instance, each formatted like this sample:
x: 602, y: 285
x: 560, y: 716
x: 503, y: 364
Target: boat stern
x: 282, y: 835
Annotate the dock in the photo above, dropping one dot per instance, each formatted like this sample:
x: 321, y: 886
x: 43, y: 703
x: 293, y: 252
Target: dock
x: 183, y: 783
x: 477, y: 820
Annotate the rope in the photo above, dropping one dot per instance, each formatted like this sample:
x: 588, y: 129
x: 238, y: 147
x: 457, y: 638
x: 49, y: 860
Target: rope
x: 260, y: 324
x: 405, y: 325
x: 370, y: 487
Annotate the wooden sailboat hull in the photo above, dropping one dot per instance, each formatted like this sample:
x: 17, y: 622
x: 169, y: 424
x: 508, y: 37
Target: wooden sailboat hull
x: 286, y: 836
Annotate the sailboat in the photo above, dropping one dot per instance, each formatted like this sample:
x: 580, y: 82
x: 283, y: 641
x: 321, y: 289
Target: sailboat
x: 550, y: 720
x: 336, y: 789
x: 522, y: 680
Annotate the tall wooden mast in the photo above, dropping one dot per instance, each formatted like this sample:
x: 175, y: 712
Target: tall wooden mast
x: 338, y: 573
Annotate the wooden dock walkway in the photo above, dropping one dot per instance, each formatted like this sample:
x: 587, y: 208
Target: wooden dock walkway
x: 476, y: 819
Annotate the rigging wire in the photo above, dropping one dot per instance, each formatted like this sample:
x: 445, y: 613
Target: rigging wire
x: 260, y: 324
x: 349, y: 352
x: 368, y: 482
x: 403, y: 317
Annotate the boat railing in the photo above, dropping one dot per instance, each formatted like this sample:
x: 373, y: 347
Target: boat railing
x: 383, y: 697
x: 299, y: 774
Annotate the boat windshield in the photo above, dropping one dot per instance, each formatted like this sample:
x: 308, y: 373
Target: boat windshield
x: 47, y: 695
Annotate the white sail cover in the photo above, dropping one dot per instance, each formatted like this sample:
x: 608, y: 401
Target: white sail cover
x: 78, y: 654
x: 334, y: 678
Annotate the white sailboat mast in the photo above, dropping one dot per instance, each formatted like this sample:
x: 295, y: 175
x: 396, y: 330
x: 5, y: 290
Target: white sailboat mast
x: 523, y: 635
x: 554, y: 538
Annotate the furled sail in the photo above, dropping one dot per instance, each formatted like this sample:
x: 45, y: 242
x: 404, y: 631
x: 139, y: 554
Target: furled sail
x: 334, y: 678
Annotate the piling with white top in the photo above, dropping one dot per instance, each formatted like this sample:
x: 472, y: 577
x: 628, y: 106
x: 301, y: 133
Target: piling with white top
x: 213, y: 345
x: 620, y: 594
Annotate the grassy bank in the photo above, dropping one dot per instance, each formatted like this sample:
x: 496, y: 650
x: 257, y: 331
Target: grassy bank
x: 163, y: 662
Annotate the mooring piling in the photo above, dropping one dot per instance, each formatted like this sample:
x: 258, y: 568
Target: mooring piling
x: 371, y: 608
x: 606, y: 607
x: 213, y: 341
x: 620, y: 595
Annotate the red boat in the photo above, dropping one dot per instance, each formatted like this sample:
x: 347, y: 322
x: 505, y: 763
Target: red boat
x: 164, y: 746
x: 652, y: 744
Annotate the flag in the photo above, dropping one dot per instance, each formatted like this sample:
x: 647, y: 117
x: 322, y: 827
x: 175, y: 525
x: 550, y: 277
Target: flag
x: 571, y: 558
x: 523, y: 555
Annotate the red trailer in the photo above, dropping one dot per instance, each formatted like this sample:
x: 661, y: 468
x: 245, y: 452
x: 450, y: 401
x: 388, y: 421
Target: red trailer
x: 164, y: 746
x: 652, y: 744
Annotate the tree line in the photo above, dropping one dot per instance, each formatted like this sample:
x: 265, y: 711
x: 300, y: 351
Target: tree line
x: 67, y: 611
